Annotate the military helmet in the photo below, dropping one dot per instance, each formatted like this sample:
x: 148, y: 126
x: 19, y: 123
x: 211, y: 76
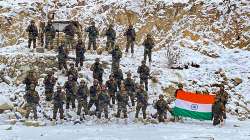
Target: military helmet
x: 129, y: 74
x: 180, y: 85
x: 117, y: 46
x: 161, y: 96
x: 72, y: 64
x: 59, y: 87
x: 97, y: 59
x: 32, y: 21
x: 95, y: 81
x: 148, y: 35
x: 143, y: 62
x: 82, y: 81
x: 92, y: 23
x: 32, y: 86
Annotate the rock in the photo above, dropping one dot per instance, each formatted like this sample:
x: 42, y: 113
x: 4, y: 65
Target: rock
x: 5, y: 104
x: 169, y: 91
x: 237, y: 81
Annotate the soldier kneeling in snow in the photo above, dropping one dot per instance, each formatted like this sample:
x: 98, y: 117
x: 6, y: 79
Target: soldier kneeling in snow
x: 161, y: 106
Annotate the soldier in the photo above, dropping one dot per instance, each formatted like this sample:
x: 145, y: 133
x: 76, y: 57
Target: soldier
x: 82, y: 95
x: 58, y: 101
x: 69, y: 31
x: 148, y: 46
x: 116, y: 58
x: 71, y: 88
x: 94, y: 91
x: 111, y: 36
x: 180, y: 87
x: 144, y: 72
x: 112, y: 88
x: 62, y: 57
x: 130, y: 87
x: 142, y: 102
x: 118, y: 75
x: 104, y: 102
x: 161, y: 106
x: 122, y: 99
x: 97, y: 70
x: 218, y: 111
x: 50, y: 34
x: 223, y: 97
x: 80, y: 50
x: 33, y: 33
x: 93, y: 34
x: 32, y: 98
x: 72, y: 71
x: 31, y: 78
x: 130, y: 34
x: 49, y: 83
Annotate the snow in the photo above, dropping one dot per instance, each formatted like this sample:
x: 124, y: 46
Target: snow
x: 189, y: 130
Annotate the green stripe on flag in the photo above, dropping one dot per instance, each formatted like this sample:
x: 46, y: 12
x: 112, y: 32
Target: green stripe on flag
x: 192, y: 114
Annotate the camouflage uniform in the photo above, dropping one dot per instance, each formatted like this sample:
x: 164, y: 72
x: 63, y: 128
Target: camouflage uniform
x: 130, y: 34
x: 144, y: 72
x: 142, y: 102
x: 97, y: 71
x: 122, y: 99
x: 32, y: 98
x: 223, y: 97
x: 130, y: 88
x: 82, y: 95
x: 30, y: 79
x: 73, y: 72
x: 148, y: 46
x: 62, y: 57
x: 69, y: 31
x: 33, y: 33
x: 162, y: 107
x: 218, y: 111
x: 118, y: 75
x: 71, y: 88
x: 49, y: 83
x: 93, y: 34
x: 80, y: 50
x: 111, y: 36
x: 58, y: 100
x: 116, y: 58
x: 112, y: 88
x: 50, y: 34
x: 94, y: 91
x: 104, y: 102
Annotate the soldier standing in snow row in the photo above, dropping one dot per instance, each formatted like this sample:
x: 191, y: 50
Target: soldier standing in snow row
x: 50, y: 34
x: 130, y: 34
x: 118, y: 75
x: 71, y: 87
x: 72, y: 72
x: 148, y: 46
x: 93, y: 34
x: 93, y: 92
x: 122, y: 99
x: 116, y: 58
x: 144, y: 72
x: 82, y: 95
x: 103, y: 102
x: 111, y: 36
x: 33, y: 33
x: 32, y: 98
x: 218, y: 110
x: 130, y: 87
x: 97, y: 70
x: 69, y: 31
x: 112, y: 88
x: 58, y: 101
x: 62, y: 57
x: 80, y: 51
x: 49, y: 83
x: 142, y: 102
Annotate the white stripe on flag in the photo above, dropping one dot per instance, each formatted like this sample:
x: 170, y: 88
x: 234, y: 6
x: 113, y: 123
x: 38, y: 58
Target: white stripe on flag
x: 193, y: 106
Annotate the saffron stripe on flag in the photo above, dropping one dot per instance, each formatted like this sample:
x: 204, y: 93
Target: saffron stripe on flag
x: 195, y: 98
x: 192, y: 114
x: 193, y: 106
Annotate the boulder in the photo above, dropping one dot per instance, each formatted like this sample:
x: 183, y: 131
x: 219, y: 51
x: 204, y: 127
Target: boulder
x: 237, y: 81
x: 40, y: 50
x: 5, y: 103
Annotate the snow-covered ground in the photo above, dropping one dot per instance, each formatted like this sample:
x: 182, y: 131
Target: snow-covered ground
x: 189, y: 130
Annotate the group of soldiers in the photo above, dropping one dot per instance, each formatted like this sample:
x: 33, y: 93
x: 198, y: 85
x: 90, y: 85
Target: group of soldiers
x: 102, y: 96
x: 116, y: 90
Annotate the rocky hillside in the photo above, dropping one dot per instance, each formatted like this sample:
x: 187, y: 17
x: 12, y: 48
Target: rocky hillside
x: 222, y: 21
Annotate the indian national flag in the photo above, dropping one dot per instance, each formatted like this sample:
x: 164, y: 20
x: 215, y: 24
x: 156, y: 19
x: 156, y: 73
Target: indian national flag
x: 196, y: 106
